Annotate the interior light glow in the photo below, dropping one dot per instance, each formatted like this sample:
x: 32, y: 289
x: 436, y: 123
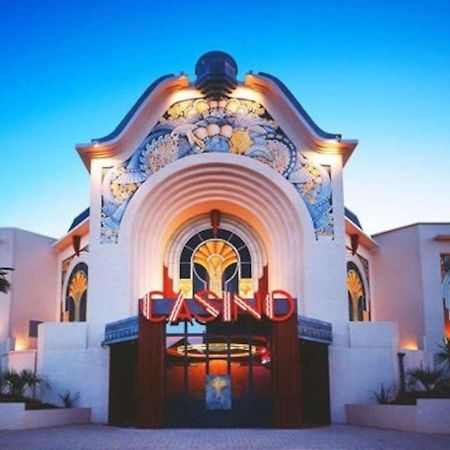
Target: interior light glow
x: 217, y: 350
x: 409, y: 346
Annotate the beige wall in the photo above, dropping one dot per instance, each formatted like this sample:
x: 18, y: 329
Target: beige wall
x: 398, y: 285
x: 32, y: 296
x: 430, y: 251
x: 407, y: 287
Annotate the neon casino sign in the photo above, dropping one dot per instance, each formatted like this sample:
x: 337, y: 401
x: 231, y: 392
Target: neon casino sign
x: 206, y: 306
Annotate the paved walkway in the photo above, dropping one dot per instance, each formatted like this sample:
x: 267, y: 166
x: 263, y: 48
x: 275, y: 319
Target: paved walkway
x: 95, y: 437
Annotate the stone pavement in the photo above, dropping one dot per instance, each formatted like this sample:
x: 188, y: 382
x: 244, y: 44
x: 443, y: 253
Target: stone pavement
x: 95, y: 437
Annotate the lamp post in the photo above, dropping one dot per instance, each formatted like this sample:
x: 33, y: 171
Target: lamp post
x: 401, y: 365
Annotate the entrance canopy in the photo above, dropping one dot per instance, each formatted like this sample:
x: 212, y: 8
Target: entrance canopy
x: 128, y: 329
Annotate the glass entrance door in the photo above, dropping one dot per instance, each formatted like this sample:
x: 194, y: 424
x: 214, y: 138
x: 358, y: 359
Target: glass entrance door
x: 218, y: 374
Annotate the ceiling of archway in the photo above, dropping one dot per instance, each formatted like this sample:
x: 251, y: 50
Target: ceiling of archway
x: 227, y: 125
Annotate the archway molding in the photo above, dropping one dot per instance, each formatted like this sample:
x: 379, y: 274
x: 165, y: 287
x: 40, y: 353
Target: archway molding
x: 366, y: 284
x: 82, y: 258
x: 263, y: 201
x: 180, y: 238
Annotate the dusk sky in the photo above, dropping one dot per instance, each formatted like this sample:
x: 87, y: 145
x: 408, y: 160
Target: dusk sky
x: 371, y: 70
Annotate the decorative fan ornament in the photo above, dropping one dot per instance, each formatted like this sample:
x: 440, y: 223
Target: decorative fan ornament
x: 354, y: 285
x: 78, y: 286
x: 215, y: 257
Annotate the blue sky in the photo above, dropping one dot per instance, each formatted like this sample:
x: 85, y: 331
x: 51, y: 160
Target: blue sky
x: 372, y: 70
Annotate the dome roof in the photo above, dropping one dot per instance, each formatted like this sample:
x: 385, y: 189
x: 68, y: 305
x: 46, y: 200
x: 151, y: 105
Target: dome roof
x: 216, y: 73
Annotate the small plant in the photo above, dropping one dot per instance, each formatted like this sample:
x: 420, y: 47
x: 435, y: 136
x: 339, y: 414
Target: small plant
x: 443, y: 356
x: 68, y: 399
x: 384, y: 395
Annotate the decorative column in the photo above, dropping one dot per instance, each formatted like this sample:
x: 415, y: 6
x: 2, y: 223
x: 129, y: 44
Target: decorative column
x: 150, y: 374
x: 286, y: 374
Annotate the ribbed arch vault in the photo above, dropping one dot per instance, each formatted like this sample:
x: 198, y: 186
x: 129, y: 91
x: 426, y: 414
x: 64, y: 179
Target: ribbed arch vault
x: 181, y: 236
x: 266, y: 205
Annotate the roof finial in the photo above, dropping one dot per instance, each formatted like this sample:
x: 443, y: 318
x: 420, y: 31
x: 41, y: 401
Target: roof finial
x: 216, y: 73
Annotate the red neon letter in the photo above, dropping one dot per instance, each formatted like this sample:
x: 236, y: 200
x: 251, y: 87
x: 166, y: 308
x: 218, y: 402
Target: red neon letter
x: 204, y: 303
x: 247, y: 307
x: 226, y: 309
x: 180, y: 310
x: 147, y: 309
x: 269, y: 306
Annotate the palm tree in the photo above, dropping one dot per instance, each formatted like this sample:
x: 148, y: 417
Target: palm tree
x: 443, y: 356
x: 32, y: 380
x: 5, y: 284
x: 15, y: 384
x: 426, y: 379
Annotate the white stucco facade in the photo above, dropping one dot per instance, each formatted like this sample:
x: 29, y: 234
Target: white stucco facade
x: 400, y: 275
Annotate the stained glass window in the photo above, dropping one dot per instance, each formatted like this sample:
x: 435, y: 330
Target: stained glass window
x: 357, y: 301
x: 217, y: 263
x: 76, y: 294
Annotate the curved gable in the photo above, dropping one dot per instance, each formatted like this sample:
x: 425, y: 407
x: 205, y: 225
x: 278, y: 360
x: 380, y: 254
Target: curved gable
x: 216, y: 125
x: 174, y: 119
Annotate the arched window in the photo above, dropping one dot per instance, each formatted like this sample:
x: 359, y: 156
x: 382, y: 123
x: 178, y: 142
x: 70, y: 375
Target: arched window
x: 218, y: 263
x: 76, y: 293
x: 357, y: 301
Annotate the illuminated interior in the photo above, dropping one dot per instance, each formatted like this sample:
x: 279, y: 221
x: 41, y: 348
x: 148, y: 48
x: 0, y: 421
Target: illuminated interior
x: 215, y: 350
x: 232, y: 359
x: 76, y: 296
x: 357, y: 301
x: 218, y: 262
x: 215, y: 256
x: 220, y: 350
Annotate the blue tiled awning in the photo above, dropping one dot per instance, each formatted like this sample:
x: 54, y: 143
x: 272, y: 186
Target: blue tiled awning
x: 121, y: 331
x: 308, y: 329
x: 315, y: 330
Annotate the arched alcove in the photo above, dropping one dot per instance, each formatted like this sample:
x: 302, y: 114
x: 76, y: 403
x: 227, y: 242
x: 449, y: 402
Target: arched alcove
x: 246, y: 189
x: 202, y: 222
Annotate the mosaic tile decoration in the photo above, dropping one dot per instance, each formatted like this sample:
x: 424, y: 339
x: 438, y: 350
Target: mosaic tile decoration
x: 227, y: 125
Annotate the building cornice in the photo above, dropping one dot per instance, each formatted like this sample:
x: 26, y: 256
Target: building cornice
x: 82, y: 229
x: 158, y: 92
x: 318, y: 140
x: 364, y: 239
x: 417, y: 224
x: 111, y: 145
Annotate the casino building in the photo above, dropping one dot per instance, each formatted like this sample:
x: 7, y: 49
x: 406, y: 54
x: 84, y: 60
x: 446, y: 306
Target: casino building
x: 216, y: 278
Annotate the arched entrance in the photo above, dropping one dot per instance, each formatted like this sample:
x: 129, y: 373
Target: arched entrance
x: 261, y: 200
x: 269, y: 218
x: 218, y: 374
